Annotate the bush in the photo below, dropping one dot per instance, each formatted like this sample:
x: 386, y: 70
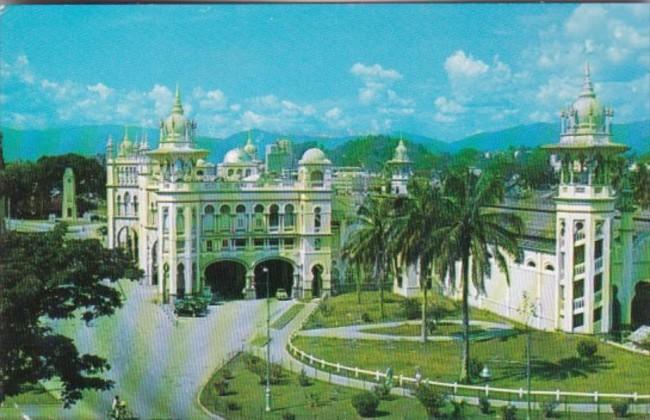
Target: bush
x: 365, y: 403
x: 191, y: 306
x: 548, y: 408
x: 382, y: 391
x: 509, y: 412
x: 227, y: 373
x: 484, y: 405
x: 365, y: 317
x: 313, y: 399
x: 475, y: 367
x: 411, y: 308
x: 287, y: 415
x: 620, y: 408
x: 233, y: 406
x: 432, y: 400
x: 275, y: 376
x: 221, y: 387
x: 326, y: 309
x: 586, y: 349
x: 303, y: 379
x: 459, y: 409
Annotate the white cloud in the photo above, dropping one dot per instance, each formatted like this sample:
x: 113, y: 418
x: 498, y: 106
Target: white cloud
x: 162, y: 97
x: 101, y: 89
x: 460, y: 65
x: 443, y: 118
x: 374, y: 72
x: 334, y: 113
x: 252, y: 120
x: 213, y: 100
x: 448, y: 106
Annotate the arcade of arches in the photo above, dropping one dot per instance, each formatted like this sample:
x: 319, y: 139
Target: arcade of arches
x: 226, y: 279
x: 641, y: 304
x: 280, y: 275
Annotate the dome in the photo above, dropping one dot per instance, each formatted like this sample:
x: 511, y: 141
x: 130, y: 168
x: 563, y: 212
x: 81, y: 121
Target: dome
x: 176, y: 123
x: 250, y: 147
x: 236, y: 156
x: 400, y: 152
x: 314, y: 156
x: 587, y: 108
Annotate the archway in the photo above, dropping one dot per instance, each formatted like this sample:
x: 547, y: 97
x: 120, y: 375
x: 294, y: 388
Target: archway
x: 317, y: 280
x: 226, y: 279
x: 127, y: 239
x: 280, y: 276
x: 641, y: 305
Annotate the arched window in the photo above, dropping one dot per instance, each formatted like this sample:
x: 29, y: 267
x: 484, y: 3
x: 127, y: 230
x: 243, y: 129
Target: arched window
x: 119, y: 205
x: 180, y: 222
x: 316, y: 178
x: 317, y: 244
x: 230, y: 172
x: 259, y: 217
x: 289, y: 217
x: 531, y: 264
x: 165, y: 221
x: 208, y: 218
x: 248, y: 172
x: 135, y: 204
x: 180, y: 280
x: 241, y: 217
x: 224, y: 218
x: 208, y: 246
x: 549, y: 267
x: 274, y: 216
x: 127, y: 198
x: 240, y: 209
x: 317, y: 219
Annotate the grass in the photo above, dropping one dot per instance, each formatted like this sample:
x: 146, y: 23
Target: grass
x: 288, y: 316
x: 33, y: 395
x: 414, y: 330
x: 319, y: 400
x: 555, y: 365
x: 259, y: 340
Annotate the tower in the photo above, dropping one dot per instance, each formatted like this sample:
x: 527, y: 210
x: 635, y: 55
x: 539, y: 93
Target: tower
x: 69, y: 203
x: 400, y: 168
x: 584, y: 214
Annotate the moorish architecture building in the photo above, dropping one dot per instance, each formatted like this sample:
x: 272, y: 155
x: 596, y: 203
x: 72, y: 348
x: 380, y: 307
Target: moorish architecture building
x: 192, y: 224
x: 586, y: 254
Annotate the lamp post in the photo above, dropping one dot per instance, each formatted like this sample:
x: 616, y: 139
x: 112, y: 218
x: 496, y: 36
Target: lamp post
x: 267, y: 392
x: 529, y: 310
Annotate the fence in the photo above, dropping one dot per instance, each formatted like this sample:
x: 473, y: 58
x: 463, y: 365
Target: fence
x: 469, y: 390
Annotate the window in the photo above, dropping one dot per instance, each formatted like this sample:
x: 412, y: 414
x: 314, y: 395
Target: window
x: 316, y: 178
x: 317, y: 244
x: 598, y: 314
x: 135, y: 204
x: 119, y: 205
x: 274, y: 217
x: 225, y: 244
x: 241, y: 217
x: 289, y: 217
x: 208, y: 219
x: 248, y: 172
x: 165, y: 220
x: 208, y: 245
x: 598, y: 282
x: 578, y: 289
x: 274, y: 243
x: 180, y: 222
x: 127, y: 198
x: 531, y: 264
x: 288, y: 243
x: 258, y: 243
x: 549, y: 267
x: 317, y: 219
x: 598, y: 249
x: 579, y: 255
x: 240, y: 244
x: 224, y: 218
x: 578, y: 320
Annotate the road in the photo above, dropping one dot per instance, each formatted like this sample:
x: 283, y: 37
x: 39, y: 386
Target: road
x: 159, y: 366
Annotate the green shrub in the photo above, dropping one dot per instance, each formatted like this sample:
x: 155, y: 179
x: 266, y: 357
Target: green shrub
x: 365, y: 403
x: 620, y: 408
x: 303, y: 379
x: 365, y: 317
x: 313, y: 399
x: 432, y: 400
x: 287, y: 415
x: 227, y: 373
x: 411, y: 308
x: 475, y: 367
x: 382, y: 391
x: 459, y: 409
x: 195, y: 305
x: 549, y: 407
x: 221, y: 387
x: 586, y: 349
x: 509, y: 412
x: 484, y: 405
x: 326, y: 309
x: 233, y: 406
x: 276, y: 373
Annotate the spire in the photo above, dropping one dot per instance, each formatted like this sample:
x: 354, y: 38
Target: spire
x: 126, y: 133
x: 587, y: 86
x: 109, y: 142
x: 178, y: 107
x: 250, y: 147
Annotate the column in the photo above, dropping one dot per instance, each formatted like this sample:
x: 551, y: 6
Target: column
x: 172, y: 251
x: 296, y: 285
x: 187, y: 252
x: 249, y: 290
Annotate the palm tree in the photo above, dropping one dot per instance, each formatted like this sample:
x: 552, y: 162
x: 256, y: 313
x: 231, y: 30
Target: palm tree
x: 412, y: 234
x: 473, y: 230
x: 369, y: 244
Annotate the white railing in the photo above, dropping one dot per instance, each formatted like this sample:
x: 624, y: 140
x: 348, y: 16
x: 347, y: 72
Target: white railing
x: 598, y: 263
x: 579, y: 269
x: 579, y: 303
x: 486, y: 389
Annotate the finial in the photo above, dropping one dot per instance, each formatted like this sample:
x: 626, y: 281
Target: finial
x: 587, y: 87
x: 178, y: 107
x: 109, y: 143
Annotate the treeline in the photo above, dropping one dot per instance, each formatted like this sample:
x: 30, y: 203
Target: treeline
x: 31, y: 186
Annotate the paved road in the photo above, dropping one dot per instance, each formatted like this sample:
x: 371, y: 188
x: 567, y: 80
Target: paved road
x: 159, y: 366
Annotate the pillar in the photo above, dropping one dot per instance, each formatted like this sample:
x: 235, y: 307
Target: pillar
x: 187, y: 252
x: 249, y: 290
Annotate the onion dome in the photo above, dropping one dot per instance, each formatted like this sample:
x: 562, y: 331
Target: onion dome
x: 250, y: 147
x: 401, y: 152
x: 314, y: 156
x: 588, y: 110
x: 175, y: 125
x: 236, y: 156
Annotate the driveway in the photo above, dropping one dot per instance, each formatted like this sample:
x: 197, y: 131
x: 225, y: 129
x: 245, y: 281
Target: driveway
x: 159, y: 365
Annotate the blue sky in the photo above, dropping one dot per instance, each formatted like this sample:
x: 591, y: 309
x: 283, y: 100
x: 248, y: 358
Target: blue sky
x: 445, y: 71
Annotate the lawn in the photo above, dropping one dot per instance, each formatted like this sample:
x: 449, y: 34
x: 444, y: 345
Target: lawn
x: 555, y: 364
x: 286, y: 317
x: 344, y: 310
x: 414, y: 330
x: 33, y: 395
x: 319, y: 400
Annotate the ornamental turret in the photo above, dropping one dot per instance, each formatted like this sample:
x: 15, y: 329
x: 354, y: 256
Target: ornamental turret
x: 400, y: 169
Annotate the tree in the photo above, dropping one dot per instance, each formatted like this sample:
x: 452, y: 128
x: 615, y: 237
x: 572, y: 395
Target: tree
x: 417, y: 221
x: 369, y: 241
x: 44, y: 277
x: 641, y: 184
x: 474, y: 232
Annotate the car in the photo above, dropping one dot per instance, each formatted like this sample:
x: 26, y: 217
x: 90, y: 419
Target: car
x: 281, y: 294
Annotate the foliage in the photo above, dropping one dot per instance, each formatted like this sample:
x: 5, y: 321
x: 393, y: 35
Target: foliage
x: 549, y: 409
x: 226, y: 373
x: 313, y: 399
x: 288, y: 415
x: 484, y: 405
x: 44, y: 277
x: 29, y: 185
x: 411, y: 308
x: 233, y: 406
x: 326, y: 308
x: 221, y: 386
x: 432, y: 400
x: 382, y: 391
x: 641, y: 184
x: 122, y: 412
x: 365, y: 317
x: 459, y: 409
x: 365, y: 403
x: 303, y: 379
x: 620, y: 408
x: 586, y: 349
x: 475, y: 367
x: 195, y: 305
x: 509, y: 412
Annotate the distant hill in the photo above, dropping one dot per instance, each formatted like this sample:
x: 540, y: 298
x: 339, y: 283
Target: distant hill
x: 91, y: 140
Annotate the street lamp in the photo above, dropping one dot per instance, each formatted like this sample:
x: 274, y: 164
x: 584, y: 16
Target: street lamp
x: 528, y: 310
x: 267, y: 392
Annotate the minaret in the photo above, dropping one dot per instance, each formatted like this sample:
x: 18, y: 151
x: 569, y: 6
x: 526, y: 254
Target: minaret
x: 584, y: 215
x: 250, y: 148
x: 400, y: 168
x: 69, y: 204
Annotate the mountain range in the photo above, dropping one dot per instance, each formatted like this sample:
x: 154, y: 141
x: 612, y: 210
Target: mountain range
x: 91, y: 140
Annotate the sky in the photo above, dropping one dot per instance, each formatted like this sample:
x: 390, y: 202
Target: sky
x: 439, y: 70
